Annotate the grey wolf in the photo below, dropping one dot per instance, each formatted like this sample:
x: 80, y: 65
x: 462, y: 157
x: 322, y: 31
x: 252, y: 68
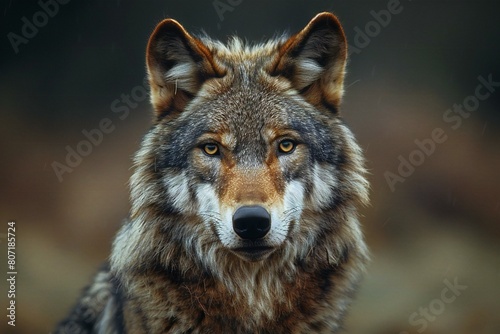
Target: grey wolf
x: 244, y: 193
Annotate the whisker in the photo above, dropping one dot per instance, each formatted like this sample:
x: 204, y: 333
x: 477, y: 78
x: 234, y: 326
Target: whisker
x: 211, y: 215
x: 286, y: 215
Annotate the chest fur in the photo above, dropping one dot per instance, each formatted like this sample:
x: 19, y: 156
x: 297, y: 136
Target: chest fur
x: 260, y: 304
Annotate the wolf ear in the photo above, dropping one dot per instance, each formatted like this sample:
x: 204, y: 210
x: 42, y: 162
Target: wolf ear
x: 177, y: 65
x: 314, y: 61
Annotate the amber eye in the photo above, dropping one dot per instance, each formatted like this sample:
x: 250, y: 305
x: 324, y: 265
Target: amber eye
x: 211, y: 149
x: 286, y: 146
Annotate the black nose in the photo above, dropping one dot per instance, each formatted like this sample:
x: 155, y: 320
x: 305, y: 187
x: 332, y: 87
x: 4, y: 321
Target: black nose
x: 251, y: 222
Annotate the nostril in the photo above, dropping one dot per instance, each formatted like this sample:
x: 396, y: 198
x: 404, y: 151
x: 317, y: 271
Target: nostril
x: 251, y: 222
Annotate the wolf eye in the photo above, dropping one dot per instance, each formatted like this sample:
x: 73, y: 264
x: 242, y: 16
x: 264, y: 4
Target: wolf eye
x: 286, y: 146
x: 211, y: 149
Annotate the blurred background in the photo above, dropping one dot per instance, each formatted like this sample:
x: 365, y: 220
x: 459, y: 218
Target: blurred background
x: 423, y: 98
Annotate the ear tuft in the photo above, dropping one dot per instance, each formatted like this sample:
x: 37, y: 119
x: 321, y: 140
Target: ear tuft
x: 314, y: 61
x: 177, y: 66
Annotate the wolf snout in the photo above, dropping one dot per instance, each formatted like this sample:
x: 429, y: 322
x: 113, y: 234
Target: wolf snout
x: 251, y: 222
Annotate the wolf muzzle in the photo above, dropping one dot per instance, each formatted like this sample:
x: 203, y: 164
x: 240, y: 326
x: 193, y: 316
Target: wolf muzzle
x: 251, y: 222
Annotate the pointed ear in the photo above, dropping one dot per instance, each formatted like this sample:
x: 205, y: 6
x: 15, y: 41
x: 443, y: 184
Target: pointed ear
x: 314, y: 61
x: 177, y: 66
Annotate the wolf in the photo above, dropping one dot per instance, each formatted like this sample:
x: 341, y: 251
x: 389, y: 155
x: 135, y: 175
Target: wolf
x: 244, y: 194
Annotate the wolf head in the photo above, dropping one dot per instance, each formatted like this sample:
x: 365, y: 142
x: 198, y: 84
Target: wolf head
x: 248, y: 162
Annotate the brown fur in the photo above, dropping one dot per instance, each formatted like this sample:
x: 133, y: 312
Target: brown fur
x: 176, y: 267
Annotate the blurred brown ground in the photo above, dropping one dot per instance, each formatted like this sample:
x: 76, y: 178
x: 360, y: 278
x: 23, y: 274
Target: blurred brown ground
x: 441, y: 223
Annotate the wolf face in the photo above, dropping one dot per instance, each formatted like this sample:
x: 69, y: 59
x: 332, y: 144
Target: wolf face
x: 249, y: 174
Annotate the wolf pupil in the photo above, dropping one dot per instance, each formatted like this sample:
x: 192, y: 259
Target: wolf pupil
x: 286, y: 146
x: 211, y: 149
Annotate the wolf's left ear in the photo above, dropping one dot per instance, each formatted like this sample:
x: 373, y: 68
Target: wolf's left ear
x: 314, y: 61
x: 177, y: 66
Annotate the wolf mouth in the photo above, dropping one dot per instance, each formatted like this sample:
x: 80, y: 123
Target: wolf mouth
x: 253, y: 253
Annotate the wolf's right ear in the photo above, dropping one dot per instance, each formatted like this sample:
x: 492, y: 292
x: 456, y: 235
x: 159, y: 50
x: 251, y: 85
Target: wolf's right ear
x: 177, y: 65
x: 314, y: 61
